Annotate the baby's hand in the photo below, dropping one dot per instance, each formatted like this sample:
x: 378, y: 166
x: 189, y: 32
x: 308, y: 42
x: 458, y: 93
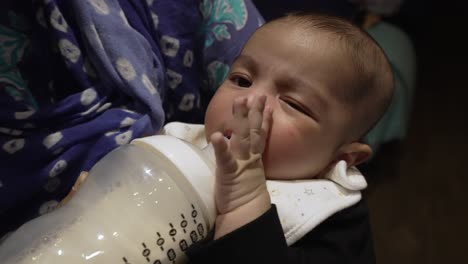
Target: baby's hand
x: 241, y: 194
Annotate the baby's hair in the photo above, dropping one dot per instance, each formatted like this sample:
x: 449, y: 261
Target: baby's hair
x: 373, y: 84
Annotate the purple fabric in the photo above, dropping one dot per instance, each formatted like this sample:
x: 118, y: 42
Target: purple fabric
x: 97, y: 74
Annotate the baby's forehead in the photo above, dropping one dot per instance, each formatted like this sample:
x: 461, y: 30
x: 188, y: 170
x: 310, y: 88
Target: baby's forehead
x: 291, y: 34
x: 309, y: 31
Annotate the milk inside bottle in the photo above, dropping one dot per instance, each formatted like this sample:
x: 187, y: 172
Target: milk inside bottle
x: 145, y: 202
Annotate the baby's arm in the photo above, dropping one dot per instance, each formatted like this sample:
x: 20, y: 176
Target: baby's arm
x: 241, y: 193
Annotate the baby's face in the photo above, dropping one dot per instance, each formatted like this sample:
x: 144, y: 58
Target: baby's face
x: 295, y: 72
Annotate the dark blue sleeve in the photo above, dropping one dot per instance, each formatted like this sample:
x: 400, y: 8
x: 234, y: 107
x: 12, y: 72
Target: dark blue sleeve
x: 343, y: 238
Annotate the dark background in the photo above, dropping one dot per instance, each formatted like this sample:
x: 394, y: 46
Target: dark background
x: 419, y: 209
x: 419, y: 187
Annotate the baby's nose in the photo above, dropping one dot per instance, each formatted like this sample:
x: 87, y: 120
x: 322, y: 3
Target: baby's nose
x: 269, y: 100
x: 251, y: 98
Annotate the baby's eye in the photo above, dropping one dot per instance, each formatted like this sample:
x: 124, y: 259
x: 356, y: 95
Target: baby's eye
x: 296, y: 106
x: 241, y: 81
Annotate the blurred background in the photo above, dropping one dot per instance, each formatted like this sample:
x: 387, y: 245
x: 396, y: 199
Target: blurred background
x: 419, y: 207
x: 418, y: 179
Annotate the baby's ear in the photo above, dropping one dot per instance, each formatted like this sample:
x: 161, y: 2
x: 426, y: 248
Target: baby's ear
x: 354, y: 153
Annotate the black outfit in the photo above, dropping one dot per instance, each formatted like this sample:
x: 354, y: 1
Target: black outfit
x: 345, y: 237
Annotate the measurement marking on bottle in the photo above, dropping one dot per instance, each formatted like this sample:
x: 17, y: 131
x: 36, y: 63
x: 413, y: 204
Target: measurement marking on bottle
x: 194, y: 236
x: 201, y: 230
x: 146, y: 252
x: 171, y: 255
x: 172, y: 232
x: 160, y: 241
x: 194, y: 214
x: 183, y: 245
x: 184, y: 223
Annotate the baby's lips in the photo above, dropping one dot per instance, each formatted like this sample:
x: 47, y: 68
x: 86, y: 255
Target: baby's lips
x: 227, y: 133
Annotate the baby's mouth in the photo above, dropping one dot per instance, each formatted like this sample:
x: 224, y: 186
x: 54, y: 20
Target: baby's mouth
x: 227, y: 133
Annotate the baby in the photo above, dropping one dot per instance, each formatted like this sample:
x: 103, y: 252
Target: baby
x: 303, y: 92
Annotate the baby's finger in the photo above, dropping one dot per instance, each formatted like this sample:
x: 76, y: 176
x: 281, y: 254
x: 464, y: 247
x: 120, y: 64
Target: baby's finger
x: 240, y: 142
x: 225, y: 162
x: 266, y: 126
x: 255, y: 123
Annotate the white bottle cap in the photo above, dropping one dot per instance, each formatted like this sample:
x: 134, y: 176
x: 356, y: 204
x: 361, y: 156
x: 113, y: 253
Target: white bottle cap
x: 192, y: 162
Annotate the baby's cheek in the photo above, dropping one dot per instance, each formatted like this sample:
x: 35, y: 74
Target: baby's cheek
x: 278, y: 160
x: 293, y: 157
